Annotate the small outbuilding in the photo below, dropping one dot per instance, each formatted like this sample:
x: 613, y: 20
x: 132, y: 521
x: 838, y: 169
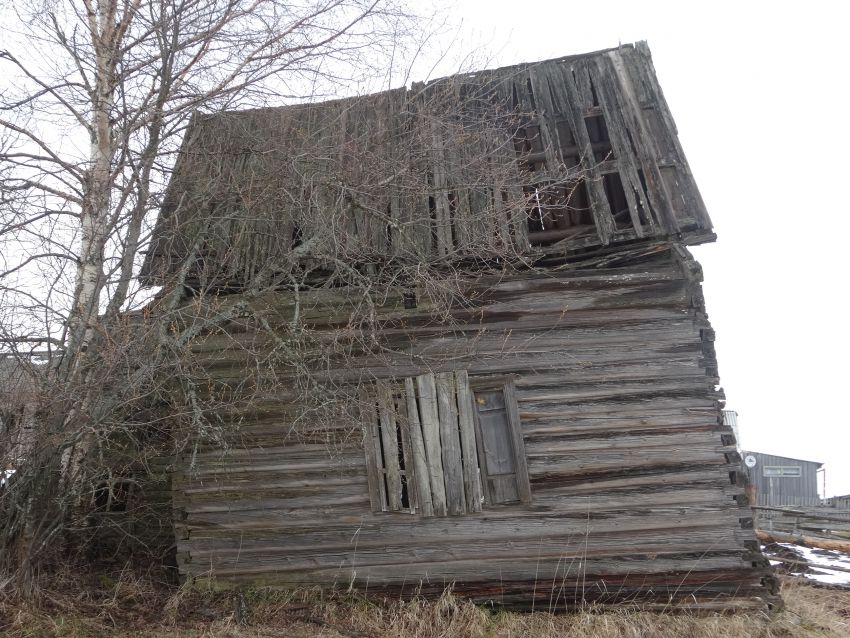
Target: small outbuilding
x: 782, y: 481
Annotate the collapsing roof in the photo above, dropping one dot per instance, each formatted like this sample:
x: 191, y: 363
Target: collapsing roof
x: 537, y: 159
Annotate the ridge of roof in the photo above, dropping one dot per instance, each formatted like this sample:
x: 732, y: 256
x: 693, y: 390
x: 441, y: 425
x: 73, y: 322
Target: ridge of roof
x: 782, y: 456
x: 640, y: 45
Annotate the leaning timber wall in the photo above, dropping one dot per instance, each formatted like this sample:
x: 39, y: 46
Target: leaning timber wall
x: 636, y: 494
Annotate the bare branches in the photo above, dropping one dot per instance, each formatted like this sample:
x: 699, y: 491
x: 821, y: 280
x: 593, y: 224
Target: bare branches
x: 49, y: 154
x: 128, y: 76
x: 103, y: 91
x: 55, y: 91
x: 35, y: 257
x: 26, y: 184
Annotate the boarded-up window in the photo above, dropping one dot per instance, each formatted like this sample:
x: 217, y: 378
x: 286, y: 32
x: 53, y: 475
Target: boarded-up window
x: 432, y: 446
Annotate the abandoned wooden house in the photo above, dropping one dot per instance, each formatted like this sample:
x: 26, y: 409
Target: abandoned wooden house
x: 471, y: 347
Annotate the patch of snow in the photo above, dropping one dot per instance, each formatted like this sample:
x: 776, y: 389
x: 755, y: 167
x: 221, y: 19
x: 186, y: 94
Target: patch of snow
x: 820, y: 561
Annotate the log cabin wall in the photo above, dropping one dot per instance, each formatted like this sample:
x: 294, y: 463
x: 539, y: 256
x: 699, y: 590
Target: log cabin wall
x: 635, y: 487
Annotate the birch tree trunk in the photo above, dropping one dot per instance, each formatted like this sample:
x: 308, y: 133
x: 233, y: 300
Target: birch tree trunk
x: 125, y: 76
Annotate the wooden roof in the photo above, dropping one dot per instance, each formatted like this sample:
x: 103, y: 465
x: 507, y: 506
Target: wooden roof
x: 772, y: 457
x: 538, y: 159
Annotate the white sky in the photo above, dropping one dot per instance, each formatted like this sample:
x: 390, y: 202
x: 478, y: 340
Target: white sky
x: 759, y: 91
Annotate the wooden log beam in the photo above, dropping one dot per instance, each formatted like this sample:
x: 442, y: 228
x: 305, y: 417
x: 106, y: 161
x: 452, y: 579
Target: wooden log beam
x: 792, y: 561
x: 810, y: 541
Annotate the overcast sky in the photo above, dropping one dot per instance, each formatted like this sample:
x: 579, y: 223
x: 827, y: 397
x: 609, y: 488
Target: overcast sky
x: 759, y: 91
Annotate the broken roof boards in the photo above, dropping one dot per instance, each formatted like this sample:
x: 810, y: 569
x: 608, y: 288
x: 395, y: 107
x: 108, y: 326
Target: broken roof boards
x: 531, y: 160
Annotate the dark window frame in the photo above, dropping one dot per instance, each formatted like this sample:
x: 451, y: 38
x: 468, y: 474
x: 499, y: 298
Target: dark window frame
x: 506, y: 386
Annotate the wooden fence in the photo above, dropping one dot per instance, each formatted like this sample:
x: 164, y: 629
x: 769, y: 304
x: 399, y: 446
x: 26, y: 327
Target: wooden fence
x: 823, y: 520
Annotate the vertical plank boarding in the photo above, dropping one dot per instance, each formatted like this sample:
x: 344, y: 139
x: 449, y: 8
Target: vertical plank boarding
x: 523, y: 484
x: 386, y: 413
x: 466, y: 421
x: 372, y: 446
x: 450, y: 443
x: 427, y: 391
x: 421, y: 480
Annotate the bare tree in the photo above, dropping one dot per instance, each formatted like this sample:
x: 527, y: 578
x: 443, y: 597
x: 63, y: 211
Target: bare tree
x: 358, y: 197
x: 101, y: 95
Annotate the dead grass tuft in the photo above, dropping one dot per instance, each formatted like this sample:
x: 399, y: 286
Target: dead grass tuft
x: 122, y: 604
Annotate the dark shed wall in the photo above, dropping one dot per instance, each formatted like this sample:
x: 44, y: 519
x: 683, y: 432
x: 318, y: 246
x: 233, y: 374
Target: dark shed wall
x: 631, y: 495
x: 784, y: 490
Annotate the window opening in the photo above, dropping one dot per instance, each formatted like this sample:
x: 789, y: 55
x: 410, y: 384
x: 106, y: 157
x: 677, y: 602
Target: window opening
x: 400, y: 449
x: 616, y: 196
x: 430, y: 447
x: 497, y: 450
x: 558, y: 211
x: 409, y: 299
x: 593, y: 93
x: 600, y: 141
x: 565, y: 134
x: 531, y: 94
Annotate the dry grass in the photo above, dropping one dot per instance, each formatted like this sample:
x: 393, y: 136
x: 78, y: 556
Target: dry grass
x: 126, y: 606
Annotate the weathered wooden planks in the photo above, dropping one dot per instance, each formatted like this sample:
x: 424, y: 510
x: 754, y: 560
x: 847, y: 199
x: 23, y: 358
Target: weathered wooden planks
x: 469, y: 449
x: 450, y: 443
x: 627, y: 479
x: 420, y: 457
x: 427, y: 396
x: 435, y: 173
x: 437, y: 463
x: 371, y: 443
x: 548, y: 433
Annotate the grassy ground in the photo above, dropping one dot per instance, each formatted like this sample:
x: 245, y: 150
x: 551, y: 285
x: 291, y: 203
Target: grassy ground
x: 103, y: 606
